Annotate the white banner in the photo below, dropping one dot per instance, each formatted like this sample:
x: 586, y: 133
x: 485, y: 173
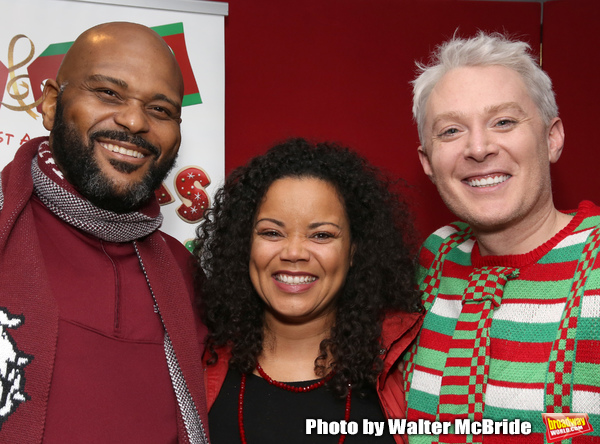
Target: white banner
x: 34, y: 36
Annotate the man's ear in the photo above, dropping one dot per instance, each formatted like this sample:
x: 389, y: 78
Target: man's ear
x: 424, y: 158
x: 49, y: 99
x: 556, y: 139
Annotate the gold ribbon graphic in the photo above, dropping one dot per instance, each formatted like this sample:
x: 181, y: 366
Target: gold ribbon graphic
x: 13, y: 81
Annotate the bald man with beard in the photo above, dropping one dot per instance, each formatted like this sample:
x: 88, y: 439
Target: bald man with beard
x: 104, y: 344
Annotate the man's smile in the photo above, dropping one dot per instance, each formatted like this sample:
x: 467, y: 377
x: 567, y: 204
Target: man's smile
x: 487, y: 180
x: 121, y: 150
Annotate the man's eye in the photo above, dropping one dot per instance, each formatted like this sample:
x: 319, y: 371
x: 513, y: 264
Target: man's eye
x: 159, y: 110
x: 449, y: 132
x: 108, y: 92
x: 162, y: 112
x: 505, y: 122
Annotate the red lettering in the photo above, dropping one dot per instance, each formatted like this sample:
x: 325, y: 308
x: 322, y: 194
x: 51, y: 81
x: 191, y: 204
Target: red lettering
x: 189, y: 185
x: 25, y: 138
x: 163, y: 195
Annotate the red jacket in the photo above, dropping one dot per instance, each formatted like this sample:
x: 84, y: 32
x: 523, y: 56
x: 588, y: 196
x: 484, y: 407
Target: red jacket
x: 398, y: 331
x: 29, y: 313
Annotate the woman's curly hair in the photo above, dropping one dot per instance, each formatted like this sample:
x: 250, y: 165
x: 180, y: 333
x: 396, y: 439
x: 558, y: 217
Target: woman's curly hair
x: 380, y: 279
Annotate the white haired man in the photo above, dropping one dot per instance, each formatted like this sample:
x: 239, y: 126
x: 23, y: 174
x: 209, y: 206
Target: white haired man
x: 513, y: 292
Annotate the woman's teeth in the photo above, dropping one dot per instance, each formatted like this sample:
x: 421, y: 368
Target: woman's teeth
x: 295, y: 279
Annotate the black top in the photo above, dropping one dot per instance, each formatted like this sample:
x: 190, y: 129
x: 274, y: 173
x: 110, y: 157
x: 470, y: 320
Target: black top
x: 273, y: 415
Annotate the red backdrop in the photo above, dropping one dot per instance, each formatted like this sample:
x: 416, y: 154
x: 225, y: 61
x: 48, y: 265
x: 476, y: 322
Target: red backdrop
x: 339, y: 70
x: 570, y: 56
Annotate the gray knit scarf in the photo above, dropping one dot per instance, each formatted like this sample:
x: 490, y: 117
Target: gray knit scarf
x: 82, y: 214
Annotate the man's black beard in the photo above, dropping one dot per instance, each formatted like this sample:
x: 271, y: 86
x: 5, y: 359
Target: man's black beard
x: 77, y: 162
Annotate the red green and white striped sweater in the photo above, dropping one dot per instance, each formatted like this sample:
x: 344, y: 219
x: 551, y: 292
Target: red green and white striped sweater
x: 508, y: 337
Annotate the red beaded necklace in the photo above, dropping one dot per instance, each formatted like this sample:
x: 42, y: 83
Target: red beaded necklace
x: 290, y: 388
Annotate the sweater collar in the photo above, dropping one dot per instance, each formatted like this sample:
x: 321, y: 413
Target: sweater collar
x: 585, y: 209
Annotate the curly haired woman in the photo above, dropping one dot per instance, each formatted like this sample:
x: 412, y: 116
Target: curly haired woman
x: 308, y: 294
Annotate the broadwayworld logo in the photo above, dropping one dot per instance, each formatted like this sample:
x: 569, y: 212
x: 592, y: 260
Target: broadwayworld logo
x: 561, y: 426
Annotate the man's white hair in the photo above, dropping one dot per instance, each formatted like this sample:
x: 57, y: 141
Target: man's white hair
x: 483, y: 50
